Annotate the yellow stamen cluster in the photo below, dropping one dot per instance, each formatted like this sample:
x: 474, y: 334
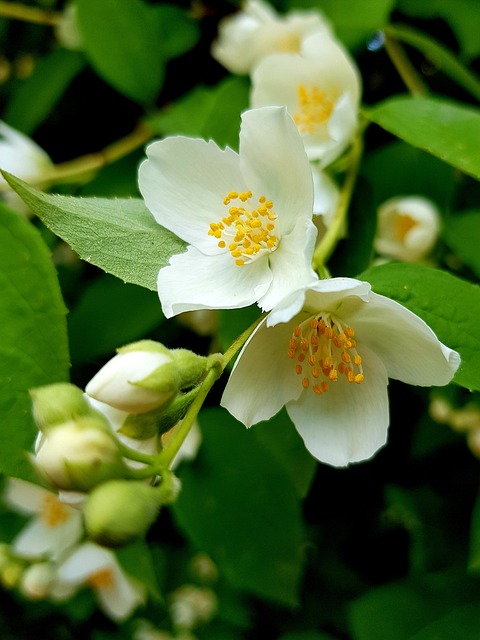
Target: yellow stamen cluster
x: 246, y: 232
x: 403, y: 225
x: 102, y: 579
x: 323, y: 351
x: 53, y: 512
x: 314, y: 108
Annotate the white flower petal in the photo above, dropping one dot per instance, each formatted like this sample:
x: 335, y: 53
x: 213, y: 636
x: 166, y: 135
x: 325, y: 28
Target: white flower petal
x: 119, y: 602
x: 409, y: 348
x: 183, y: 183
x: 349, y: 422
x: 85, y: 561
x: 23, y: 497
x: 38, y: 539
x: 273, y: 162
x: 195, y: 281
x: 291, y: 264
x: 263, y: 378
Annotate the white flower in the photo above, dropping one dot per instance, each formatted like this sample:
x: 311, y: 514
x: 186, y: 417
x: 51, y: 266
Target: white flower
x: 408, y: 228
x: 54, y: 528
x: 247, y: 217
x: 97, y: 567
x: 257, y: 31
x: 321, y: 88
x: 22, y: 157
x: 326, y: 195
x: 326, y: 353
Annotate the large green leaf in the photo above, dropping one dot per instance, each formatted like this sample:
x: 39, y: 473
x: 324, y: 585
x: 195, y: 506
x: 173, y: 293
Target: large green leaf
x: 449, y: 305
x: 462, y: 233
x: 33, y: 336
x: 123, y: 45
x: 239, y: 506
x: 35, y: 99
x: 119, y: 236
x: 448, y: 130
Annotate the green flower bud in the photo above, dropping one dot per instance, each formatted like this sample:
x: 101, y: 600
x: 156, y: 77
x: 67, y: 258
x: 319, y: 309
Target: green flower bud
x: 191, y: 367
x: 57, y: 403
x: 37, y: 580
x: 76, y: 456
x: 118, y: 511
x: 140, y: 378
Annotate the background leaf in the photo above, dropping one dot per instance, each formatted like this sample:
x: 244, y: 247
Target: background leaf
x: 33, y: 338
x: 461, y: 233
x: 448, y: 130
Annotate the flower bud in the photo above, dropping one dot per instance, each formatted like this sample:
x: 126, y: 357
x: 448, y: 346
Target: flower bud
x: 141, y: 377
x: 57, y: 403
x: 118, y: 511
x: 78, y: 455
x: 36, y: 580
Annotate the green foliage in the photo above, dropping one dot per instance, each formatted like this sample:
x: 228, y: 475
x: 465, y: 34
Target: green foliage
x: 33, y: 339
x: 461, y: 234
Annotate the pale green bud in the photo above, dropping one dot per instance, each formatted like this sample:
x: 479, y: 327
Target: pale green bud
x: 76, y: 456
x: 36, y: 580
x: 140, y: 378
x: 118, y: 511
x: 57, y: 403
x: 11, y: 573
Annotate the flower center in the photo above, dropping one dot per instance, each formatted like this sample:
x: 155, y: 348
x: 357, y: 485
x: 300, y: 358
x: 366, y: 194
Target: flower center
x: 314, y: 108
x: 323, y: 350
x: 403, y: 225
x: 247, y: 232
x: 102, y: 579
x: 53, y: 512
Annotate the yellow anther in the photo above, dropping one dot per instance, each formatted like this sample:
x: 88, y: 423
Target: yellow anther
x: 297, y: 332
x: 298, y: 369
x: 304, y: 344
x: 359, y: 378
x: 312, y: 360
x: 291, y: 353
x: 301, y: 357
x: 349, y: 332
x: 305, y: 383
x: 222, y: 244
x: 315, y: 372
x: 240, y: 263
x: 237, y: 253
x: 333, y: 375
x: 351, y: 376
x: 346, y: 357
x: 262, y: 199
x: 357, y: 360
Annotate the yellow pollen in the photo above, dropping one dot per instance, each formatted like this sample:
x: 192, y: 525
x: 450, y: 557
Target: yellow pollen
x: 102, y: 579
x: 326, y: 346
x: 53, y: 512
x: 248, y: 231
x: 314, y: 108
x: 403, y: 225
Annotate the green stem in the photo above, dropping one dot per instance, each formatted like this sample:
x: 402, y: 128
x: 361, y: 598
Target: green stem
x: 17, y: 11
x: 138, y: 456
x: 405, y: 69
x: 217, y: 366
x: 441, y: 57
x: 327, y: 244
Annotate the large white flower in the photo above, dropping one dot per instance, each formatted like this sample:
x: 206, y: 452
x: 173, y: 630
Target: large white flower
x: 326, y: 353
x: 54, y: 528
x: 321, y: 88
x: 22, y: 157
x: 247, y: 217
x: 97, y: 567
x: 256, y: 31
x: 408, y: 228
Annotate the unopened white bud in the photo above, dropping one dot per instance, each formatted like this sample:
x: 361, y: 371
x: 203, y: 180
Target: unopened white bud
x: 408, y: 228
x: 36, y: 580
x: 78, y: 455
x: 140, y: 378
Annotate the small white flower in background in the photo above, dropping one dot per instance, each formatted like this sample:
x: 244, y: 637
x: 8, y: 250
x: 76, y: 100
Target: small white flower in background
x: 22, y: 157
x: 97, y: 567
x: 321, y: 88
x: 408, y: 228
x: 54, y: 528
x: 247, y: 217
x: 67, y: 31
x: 326, y: 353
x: 191, y: 605
x: 257, y: 30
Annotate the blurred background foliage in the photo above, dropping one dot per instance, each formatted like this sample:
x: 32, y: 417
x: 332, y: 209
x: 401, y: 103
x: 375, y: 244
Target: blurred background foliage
x: 291, y: 549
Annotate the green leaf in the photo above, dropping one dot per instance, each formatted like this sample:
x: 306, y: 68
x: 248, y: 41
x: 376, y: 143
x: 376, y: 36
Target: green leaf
x: 463, y: 622
x: 36, y: 97
x: 449, y: 305
x: 178, y: 32
x: 448, y: 130
x: 354, y: 22
x: 33, y: 338
x: 206, y: 113
x: 461, y: 233
x: 123, y: 46
x: 442, y: 58
x: 119, y: 236
x: 108, y: 315
x: 137, y: 561
x: 474, y: 552
x: 239, y: 506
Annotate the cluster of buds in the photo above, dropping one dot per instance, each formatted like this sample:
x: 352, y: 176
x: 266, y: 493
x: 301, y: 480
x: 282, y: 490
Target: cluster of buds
x: 100, y: 447
x: 463, y: 419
